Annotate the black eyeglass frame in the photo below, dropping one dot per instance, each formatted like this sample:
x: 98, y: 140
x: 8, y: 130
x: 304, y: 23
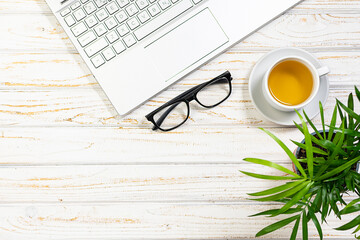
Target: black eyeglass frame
x: 186, y: 98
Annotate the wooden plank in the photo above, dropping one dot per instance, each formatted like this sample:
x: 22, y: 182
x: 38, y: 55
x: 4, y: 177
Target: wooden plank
x: 144, y: 221
x: 103, y: 146
x: 26, y: 71
x: 90, y: 107
x: 141, y: 183
x: 42, y: 33
x: 155, y: 183
x: 39, y: 6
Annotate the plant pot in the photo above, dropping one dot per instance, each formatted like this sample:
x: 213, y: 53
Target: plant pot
x: 297, y: 153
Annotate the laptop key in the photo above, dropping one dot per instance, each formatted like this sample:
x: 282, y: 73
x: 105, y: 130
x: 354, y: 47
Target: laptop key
x: 123, y: 30
x: 142, y: 4
x: 133, y: 23
x: 164, y: 4
x: 112, y: 37
x: 143, y: 16
x: 91, y: 21
x: 65, y: 12
x: 96, y: 47
x: 121, y: 16
x: 100, y: 29
x: 154, y: 10
x: 87, y: 38
x: 129, y: 40
x: 90, y: 7
x: 79, y: 14
x: 98, y: 61
x: 119, y: 47
x: 69, y: 20
x: 111, y: 23
x: 101, y: 14
x: 112, y: 8
x: 132, y: 10
x: 100, y: 3
x: 79, y: 29
x: 123, y: 3
x: 75, y: 5
x: 108, y: 54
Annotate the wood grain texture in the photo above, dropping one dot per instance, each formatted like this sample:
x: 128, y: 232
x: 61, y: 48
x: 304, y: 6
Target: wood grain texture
x: 71, y: 169
x: 131, y: 146
x: 135, y: 183
x: 76, y: 184
x: 150, y: 220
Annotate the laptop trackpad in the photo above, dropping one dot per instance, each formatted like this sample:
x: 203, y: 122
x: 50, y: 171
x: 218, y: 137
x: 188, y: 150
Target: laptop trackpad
x: 186, y: 44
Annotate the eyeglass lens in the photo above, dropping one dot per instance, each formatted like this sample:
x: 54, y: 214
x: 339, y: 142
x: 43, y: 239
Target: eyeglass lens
x: 214, y: 93
x: 172, y: 116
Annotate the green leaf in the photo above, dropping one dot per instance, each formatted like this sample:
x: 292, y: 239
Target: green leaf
x: 296, y: 198
x: 282, y: 195
x: 272, y: 211
x: 357, y: 93
x: 322, y: 119
x: 325, y: 203
x: 315, y: 150
x: 349, y: 111
x: 276, y: 226
x: 353, y: 202
x: 353, y: 223
x: 349, y: 210
x: 312, y: 125
x: 325, y: 210
x: 332, y: 124
x: 316, y: 223
x: 333, y: 203
x: 328, y: 145
x: 339, y: 169
x: 336, y: 177
x: 309, y: 147
x: 267, y: 177
x: 317, y: 201
x: 356, y: 230
x: 350, y: 140
x: 333, y: 155
x: 305, y: 234
x: 295, y: 229
x: 288, y: 152
x: 276, y: 189
x: 349, y: 180
x: 270, y: 164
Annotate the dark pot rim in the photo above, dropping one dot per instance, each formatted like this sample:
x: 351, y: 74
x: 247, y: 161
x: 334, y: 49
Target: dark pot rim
x: 303, y: 142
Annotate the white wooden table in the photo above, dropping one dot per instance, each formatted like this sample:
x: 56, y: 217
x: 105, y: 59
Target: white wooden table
x: 71, y: 169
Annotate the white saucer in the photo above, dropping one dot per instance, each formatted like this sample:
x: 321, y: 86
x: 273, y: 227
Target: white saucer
x: 256, y: 93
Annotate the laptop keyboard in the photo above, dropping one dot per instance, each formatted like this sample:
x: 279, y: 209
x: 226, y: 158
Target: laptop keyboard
x: 107, y: 28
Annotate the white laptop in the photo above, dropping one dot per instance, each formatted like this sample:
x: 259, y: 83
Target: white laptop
x: 136, y: 48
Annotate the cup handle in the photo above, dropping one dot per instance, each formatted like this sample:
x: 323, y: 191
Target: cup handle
x: 323, y: 71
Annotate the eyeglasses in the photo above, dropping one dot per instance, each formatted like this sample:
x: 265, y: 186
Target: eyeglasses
x: 176, y: 112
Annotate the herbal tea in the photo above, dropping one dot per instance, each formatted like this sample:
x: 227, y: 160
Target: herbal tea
x: 291, y: 83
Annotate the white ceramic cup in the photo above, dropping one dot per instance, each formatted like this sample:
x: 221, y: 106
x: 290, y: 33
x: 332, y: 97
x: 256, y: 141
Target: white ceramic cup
x: 316, y: 74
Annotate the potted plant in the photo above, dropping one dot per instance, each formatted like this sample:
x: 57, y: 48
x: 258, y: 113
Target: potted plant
x: 325, y: 171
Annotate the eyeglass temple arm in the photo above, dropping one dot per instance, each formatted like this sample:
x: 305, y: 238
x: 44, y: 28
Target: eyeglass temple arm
x: 165, y: 114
